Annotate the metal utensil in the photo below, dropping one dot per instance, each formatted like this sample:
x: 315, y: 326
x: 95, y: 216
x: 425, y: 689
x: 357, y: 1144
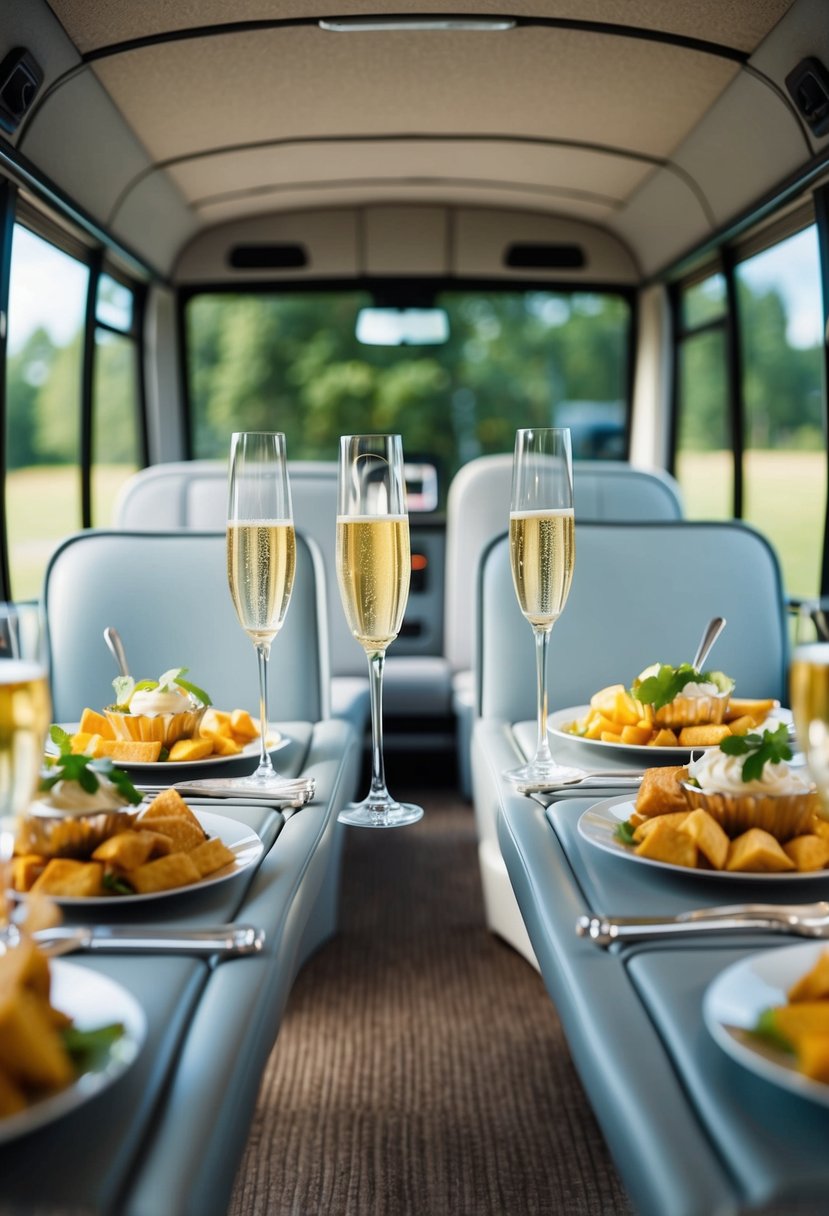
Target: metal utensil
x: 290, y: 792
x: 116, y: 648
x: 223, y: 940
x: 800, y: 920
x: 712, y: 631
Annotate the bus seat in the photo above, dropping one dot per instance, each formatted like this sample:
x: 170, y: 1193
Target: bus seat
x: 192, y: 494
x: 166, y: 594
x: 478, y: 510
x: 641, y: 593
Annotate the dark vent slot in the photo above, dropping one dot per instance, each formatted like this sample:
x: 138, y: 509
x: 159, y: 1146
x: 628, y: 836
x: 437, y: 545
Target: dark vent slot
x: 545, y: 257
x: 268, y: 257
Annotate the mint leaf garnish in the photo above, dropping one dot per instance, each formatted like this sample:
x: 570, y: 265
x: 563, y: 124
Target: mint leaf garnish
x: 124, y: 688
x: 770, y: 747
x: 118, y: 886
x: 660, y: 689
x: 85, y: 770
x: 194, y: 689
x: 61, y: 739
x: 624, y: 832
x: 766, y: 1029
x: 88, y: 1047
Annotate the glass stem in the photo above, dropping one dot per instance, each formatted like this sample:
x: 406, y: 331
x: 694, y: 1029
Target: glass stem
x: 542, y: 745
x: 376, y: 663
x: 265, y: 767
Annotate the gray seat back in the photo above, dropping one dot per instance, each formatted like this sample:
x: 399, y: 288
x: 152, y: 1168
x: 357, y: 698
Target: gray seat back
x: 641, y: 593
x: 193, y: 494
x: 167, y: 595
x: 478, y: 510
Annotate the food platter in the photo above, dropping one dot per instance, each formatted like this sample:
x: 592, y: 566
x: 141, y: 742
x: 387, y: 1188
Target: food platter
x: 239, y: 838
x: 90, y: 999
x: 739, y: 994
x: 557, y: 722
x: 276, y: 741
x: 597, y: 825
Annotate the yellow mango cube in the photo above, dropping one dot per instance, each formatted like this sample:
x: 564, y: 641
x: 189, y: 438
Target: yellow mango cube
x: 241, y: 723
x: 636, y: 734
x: 708, y: 836
x: 664, y: 738
x: 93, y: 723
x: 225, y: 747
x: 667, y: 843
x: 188, y: 750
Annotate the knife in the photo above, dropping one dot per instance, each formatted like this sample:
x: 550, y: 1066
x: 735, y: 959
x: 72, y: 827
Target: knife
x: 226, y: 941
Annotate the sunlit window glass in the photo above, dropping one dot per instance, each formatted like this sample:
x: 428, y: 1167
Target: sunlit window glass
x: 116, y: 442
x: 704, y: 462
x: 704, y: 301
x: 47, y: 298
x: 294, y: 362
x: 114, y: 304
x: 780, y: 314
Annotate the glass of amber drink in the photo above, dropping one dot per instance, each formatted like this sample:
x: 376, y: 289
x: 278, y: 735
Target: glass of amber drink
x: 809, y: 692
x: 373, y: 571
x: 261, y: 559
x: 542, y: 557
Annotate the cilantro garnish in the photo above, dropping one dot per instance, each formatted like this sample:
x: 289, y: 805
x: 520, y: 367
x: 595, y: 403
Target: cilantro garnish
x: 766, y: 1029
x: 88, y: 1047
x: 70, y: 766
x: 772, y: 746
x: 118, y: 886
x: 624, y: 832
x: 660, y: 689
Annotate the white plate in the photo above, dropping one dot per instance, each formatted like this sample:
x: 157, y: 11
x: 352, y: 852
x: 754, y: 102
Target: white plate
x: 276, y: 741
x: 238, y: 837
x: 90, y: 999
x: 563, y: 717
x: 597, y: 825
x: 736, y: 998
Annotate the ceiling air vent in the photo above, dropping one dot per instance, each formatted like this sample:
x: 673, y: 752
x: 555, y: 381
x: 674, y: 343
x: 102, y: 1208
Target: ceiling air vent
x: 268, y: 257
x: 525, y: 256
x: 20, y: 78
x: 808, y: 84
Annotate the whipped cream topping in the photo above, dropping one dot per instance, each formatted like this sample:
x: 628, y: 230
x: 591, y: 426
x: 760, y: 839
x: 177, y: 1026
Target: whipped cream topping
x: 70, y: 799
x: 705, y: 689
x: 151, y: 702
x: 718, y: 773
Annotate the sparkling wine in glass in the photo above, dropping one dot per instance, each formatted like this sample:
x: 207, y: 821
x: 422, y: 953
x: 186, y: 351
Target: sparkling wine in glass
x: 261, y: 559
x: 809, y: 692
x: 25, y: 713
x: 542, y: 556
x: 373, y: 571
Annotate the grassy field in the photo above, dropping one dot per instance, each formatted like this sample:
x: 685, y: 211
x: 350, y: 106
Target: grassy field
x: 43, y: 505
x: 785, y: 494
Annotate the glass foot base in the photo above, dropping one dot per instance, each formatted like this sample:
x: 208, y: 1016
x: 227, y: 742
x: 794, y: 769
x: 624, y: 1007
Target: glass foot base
x: 542, y: 774
x: 370, y: 814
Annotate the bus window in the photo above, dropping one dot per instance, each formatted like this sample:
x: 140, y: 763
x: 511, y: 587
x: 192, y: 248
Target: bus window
x: 780, y: 319
x: 116, y: 437
x: 293, y: 361
x: 704, y: 460
x: 47, y: 298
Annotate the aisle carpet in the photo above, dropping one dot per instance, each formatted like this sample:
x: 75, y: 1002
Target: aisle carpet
x: 421, y: 1069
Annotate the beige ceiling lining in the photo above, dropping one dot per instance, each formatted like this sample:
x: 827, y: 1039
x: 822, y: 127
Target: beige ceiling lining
x: 93, y: 24
x: 535, y: 83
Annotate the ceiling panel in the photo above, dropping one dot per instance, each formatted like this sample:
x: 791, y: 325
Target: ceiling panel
x: 735, y: 23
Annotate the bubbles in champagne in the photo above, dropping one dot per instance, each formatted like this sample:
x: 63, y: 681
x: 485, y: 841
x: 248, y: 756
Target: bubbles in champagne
x: 542, y: 556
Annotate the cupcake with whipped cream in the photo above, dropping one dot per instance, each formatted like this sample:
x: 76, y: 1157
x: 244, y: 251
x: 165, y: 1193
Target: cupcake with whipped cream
x: 746, y: 783
x: 161, y: 710
x: 673, y: 697
x: 80, y: 803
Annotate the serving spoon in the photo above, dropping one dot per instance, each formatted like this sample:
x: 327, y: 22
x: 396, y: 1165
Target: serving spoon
x: 712, y: 631
x: 116, y: 647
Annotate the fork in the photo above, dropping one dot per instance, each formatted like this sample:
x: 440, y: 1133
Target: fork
x: 800, y: 920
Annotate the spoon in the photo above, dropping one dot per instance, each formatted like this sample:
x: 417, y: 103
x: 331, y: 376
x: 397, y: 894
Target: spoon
x: 116, y: 647
x: 712, y: 631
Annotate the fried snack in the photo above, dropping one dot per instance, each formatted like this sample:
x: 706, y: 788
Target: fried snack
x: 807, y: 852
x: 669, y: 844
x: 221, y: 733
x: 169, y: 803
x: 615, y: 716
x: 183, y: 834
x: 661, y: 791
x: 814, y: 985
x: 757, y: 852
x: 740, y: 706
x: 709, y: 837
x: 703, y: 736
x: 211, y: 855
x: 71, y: 879
x: 25, y: 869
x: 675, y: 818
x: 127, y: 850
x: 187, y: 751
x: 127, y: 750
x: 164, y: 874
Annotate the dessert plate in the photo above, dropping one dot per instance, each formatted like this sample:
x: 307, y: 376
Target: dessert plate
x: 597, y: 825
x: 739, y: 994
x: 90, y: 999
x: 239, y: 838
x: 276, y: 741
x: 562, y: 718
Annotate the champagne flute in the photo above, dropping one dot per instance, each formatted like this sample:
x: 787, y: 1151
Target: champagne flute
x: 261, y: 560
x: 809, y: 692
x: 373, y: 571
x: 25, y: 713
x: 542, y: 556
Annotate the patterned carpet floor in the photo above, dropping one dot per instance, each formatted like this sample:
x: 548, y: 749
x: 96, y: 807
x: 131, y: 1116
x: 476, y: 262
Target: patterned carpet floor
x: 421, y: 1069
